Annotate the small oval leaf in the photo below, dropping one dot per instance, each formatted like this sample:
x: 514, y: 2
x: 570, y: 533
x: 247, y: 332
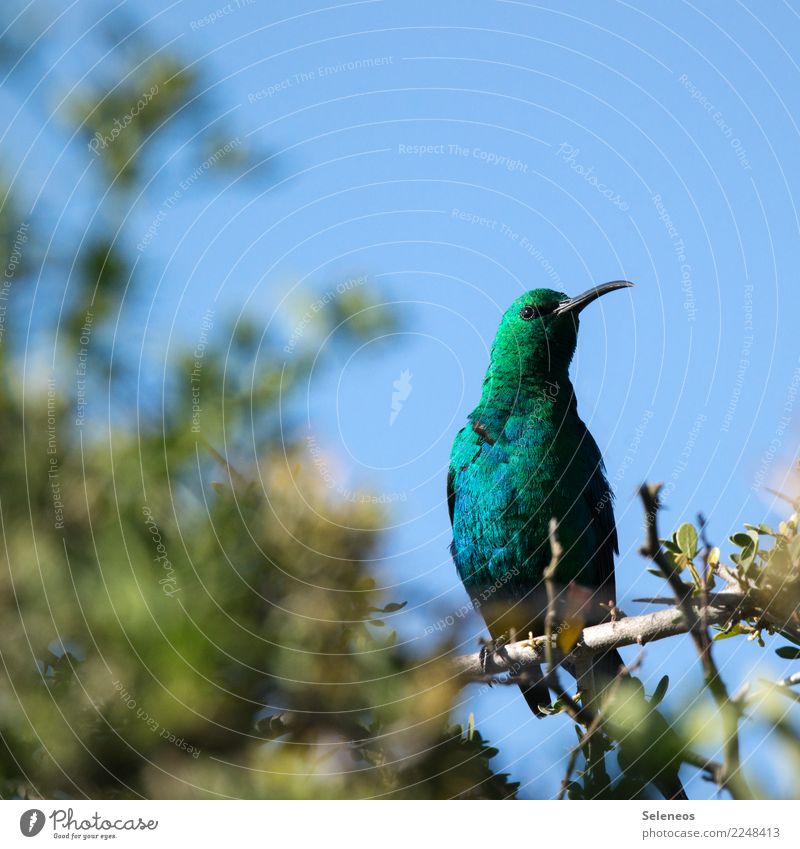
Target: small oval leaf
x: 788, y: 653
x: 687, y: 539
x: 660, y: 691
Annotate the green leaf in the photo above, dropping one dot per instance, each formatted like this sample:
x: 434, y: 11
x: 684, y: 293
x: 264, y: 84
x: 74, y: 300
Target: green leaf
x: 788, y: 653
x: 742, y: 540
x: 390, y: 608
x: 763, y: 529
x: 733, y: 632
x: 660, y: 691
x: 686, y: 537
x: 747, y: 558
x: 671, y: 546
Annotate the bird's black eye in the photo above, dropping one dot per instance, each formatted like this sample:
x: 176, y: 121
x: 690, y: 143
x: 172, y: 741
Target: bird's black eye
x: 529, y: 311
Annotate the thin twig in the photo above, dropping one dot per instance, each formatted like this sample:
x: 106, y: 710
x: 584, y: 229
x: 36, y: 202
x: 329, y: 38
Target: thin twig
x: 556, y: 552
x: 594, y: 726
x: 714, y: 770
x: 705, y: 578
x: 576, y: 711
x: 795, y: 502
x: 732, y: 776
x: 784, y: 691
x: 793, y: 679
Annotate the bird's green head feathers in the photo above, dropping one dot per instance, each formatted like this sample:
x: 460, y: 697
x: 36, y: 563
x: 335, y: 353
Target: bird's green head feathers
x: 539, y: 331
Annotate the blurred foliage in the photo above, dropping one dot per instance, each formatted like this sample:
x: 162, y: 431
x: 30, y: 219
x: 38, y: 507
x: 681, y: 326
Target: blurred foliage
x: 763, y: 578
x: 177, y: 622
x: 189, y: 606
x: 118, y: 124
x: 764, y: 568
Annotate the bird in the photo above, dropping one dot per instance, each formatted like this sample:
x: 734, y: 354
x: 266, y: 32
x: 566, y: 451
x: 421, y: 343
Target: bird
x: 524, y: 458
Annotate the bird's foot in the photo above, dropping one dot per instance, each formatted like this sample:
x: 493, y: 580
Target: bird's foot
x: 614, y: 613
x: 488, y: 648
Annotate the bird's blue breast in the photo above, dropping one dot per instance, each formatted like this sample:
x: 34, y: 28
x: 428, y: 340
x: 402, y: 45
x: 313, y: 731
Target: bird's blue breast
x: 504, y: 495
x: 495, y: 521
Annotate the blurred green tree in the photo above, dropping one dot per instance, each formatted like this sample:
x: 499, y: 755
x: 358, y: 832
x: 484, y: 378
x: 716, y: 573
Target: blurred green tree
x: 175, y: 626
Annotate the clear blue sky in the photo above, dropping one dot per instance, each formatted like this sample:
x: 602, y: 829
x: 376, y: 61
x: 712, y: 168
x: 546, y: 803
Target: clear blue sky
x: 472, y: 151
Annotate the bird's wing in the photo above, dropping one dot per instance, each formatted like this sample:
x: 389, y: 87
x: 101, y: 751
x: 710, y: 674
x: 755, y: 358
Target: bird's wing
x: 600, y: 501
x: 462, y: 456
x: 451, y: 493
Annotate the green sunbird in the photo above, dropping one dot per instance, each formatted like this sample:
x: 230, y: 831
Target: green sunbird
x: 524, y: 458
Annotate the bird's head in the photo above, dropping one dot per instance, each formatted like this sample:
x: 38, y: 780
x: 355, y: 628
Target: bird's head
x: 539, y: 331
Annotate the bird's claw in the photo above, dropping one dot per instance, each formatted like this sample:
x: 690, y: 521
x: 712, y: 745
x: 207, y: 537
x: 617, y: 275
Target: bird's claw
x: 488, y: 648
x: 483, y: 657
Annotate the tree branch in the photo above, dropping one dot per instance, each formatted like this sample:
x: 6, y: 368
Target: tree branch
x: 554, y: 680
x: 630, y: 631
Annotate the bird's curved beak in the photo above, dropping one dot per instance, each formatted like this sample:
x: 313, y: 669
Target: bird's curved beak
x: 577, y: 303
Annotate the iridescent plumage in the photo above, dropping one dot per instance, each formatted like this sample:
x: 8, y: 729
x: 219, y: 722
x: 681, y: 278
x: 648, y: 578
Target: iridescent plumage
x: 525, y: 457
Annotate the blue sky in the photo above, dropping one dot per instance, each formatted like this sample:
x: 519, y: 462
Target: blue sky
x: 460, y: 153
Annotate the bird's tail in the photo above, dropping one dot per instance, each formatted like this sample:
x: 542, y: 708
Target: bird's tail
x: 660, y: 743
x: 606, y: 668
x: 671, y: 788
x: 536, y: 693
x: 653, y: 743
